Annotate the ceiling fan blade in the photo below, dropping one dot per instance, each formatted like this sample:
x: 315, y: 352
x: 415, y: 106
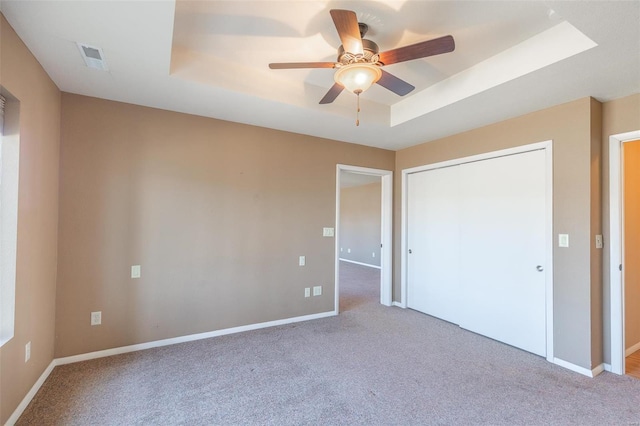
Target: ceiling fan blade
x: 419, y: 50
x: 346, y: 23
x: 292, y: 65
x: 393, y: 83
x: 332, y: 94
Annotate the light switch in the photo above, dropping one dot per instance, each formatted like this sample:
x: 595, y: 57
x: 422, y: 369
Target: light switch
x: 327, y: 232
x: 317, y: 290
x: 96, y: 318
x: 307, y: 292
x: 302, y: 261
x: 563, y: 240
x: 135, y: 271
x: 599, y: 242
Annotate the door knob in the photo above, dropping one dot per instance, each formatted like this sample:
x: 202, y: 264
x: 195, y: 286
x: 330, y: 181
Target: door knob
x: 539, y: 268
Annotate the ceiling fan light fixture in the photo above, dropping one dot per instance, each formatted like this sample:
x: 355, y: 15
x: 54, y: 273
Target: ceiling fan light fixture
x: 358, y: 77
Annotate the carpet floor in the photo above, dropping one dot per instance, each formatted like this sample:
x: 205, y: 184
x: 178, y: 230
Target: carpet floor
x: 370, y: 365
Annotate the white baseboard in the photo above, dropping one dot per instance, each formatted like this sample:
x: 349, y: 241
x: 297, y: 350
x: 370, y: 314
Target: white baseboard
x: 632, y: 349
x: 398, y: 304
x: 188, y: 338
x: 607, y: 367
x: 584, y: 371
x: 359, y: 263
x: 29, y: 396
x: 148, y: 345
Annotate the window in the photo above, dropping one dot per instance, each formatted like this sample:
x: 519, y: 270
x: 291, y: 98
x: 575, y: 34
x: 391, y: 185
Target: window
x: 9, y: 161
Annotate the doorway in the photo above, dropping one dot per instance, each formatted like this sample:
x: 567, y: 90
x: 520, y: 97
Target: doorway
x: 364, y: 247
x: 624, y: 150
x: 631, y: 249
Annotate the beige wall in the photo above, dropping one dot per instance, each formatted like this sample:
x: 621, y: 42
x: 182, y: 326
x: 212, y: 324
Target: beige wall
x: 618, y: 116
x: 198, y: 203
x: 216, y: 214
x: 24, y: 78
x: 570, y: 127
x: 632, y: 242
x: 360, y: 223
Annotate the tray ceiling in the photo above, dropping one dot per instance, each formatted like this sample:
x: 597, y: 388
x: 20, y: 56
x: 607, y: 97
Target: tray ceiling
x: 211, y: 58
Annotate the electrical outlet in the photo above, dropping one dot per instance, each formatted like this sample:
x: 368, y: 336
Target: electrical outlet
x: 96, y: 318
x: 307, y: 292
x: 348, y: 250
x: 135, y: 271
x: 373, y: 254
x: 317, y: 290
x: 27, y: 351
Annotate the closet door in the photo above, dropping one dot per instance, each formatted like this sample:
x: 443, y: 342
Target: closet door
x: 502, y: 249
x: 433, y: 240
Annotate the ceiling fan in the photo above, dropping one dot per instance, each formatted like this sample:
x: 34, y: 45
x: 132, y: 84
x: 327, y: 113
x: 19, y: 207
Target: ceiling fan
x: 359, y: 64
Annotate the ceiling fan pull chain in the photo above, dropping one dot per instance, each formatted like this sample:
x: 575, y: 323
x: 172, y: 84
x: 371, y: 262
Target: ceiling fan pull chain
x: 357, y: 92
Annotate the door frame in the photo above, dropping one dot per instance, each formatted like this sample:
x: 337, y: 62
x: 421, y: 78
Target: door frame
x: 386, y: 251
x: 547, y: 146
x: 616, y: 247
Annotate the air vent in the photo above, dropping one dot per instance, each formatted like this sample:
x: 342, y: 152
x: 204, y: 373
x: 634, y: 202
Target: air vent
x: 93, y: 56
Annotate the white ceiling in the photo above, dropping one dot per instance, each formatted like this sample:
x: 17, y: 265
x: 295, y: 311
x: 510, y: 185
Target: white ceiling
x: 211, y: 58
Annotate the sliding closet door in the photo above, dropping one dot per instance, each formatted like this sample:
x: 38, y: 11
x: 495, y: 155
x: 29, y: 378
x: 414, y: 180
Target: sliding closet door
x: 502, y: 249
x: 433, y: 239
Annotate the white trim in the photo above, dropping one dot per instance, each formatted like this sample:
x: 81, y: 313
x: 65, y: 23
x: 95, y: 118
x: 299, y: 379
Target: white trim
x: 398, y: 304
x: 549, y: 249
x: 189, y: 338
x: 632, y: 349
x: 29, y: 396
x: 548, y: 147
x: 148, y: 345
x: 359, y: 263
x: 386, y: 250
x: 616, y: 284
x: 9, y: 200
x: 584, y: 371
x: 404, y: 238
x: 479, y: 157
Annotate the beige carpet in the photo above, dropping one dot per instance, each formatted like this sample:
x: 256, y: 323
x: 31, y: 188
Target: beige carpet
x: 371, y: 365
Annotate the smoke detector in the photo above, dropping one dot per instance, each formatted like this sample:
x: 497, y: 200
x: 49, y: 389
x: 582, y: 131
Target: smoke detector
x: 93, y: 56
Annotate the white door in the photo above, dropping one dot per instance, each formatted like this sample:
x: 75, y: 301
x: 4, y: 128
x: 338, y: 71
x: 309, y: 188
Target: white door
x: 476, y: 235
x: 502, y: 249
x: 433, y: 222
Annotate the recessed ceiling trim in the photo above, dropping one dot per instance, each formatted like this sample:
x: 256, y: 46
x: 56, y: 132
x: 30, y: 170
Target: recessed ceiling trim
x: 546, y: 48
